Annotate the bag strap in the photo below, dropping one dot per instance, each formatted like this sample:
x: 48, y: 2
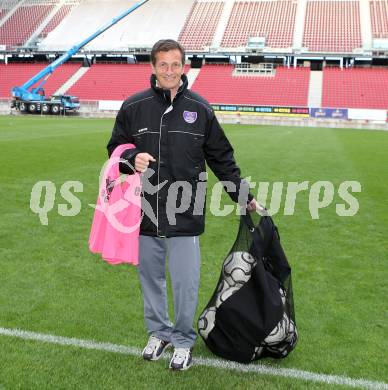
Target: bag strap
x: 256, y: 233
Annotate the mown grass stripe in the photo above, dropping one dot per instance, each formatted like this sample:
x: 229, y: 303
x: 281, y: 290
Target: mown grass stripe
x: 216, y: 363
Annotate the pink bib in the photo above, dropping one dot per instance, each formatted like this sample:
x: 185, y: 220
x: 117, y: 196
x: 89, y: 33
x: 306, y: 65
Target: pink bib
x: 116, y: 222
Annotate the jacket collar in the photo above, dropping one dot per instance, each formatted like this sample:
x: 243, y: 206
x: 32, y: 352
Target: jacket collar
x: 165, y: 93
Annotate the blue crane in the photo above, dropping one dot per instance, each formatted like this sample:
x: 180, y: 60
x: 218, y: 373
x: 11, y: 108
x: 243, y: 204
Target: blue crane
x: 26, y: 98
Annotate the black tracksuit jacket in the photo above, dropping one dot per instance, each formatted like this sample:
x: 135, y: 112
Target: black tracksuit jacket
x: 181, y: 136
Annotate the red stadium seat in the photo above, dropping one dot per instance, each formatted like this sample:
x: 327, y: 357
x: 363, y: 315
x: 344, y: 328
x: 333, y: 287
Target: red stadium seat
x: 200, y: 25
x: 355, y: 88
x: 112, y: 81
x: 332, y: 26
x: 22, y: 24
x: 379, y: 18
x: 57, y: 18
x: 273, y: 20
x: 288, y: 87
x: 13, y: 75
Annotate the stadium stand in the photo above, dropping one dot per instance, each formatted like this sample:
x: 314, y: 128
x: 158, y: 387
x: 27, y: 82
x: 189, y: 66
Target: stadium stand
x: 112, y: 81
x: 86, y: 18
x: 62, y: 12
x: 6, y: 6
x: 288, y: 87
x: 201, y: 24
x: 273, y: 20
x: 379, y: 18
x: 332, y: 26
x: 327, y: 26
x: 12, y: 75
x: 355, y: 88
x: 21, y: 25
x: 143, y: 28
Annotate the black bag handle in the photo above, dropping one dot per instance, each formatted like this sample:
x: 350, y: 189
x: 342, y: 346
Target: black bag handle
x: 257, y: 235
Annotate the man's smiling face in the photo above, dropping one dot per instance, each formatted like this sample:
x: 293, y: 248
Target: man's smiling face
x: 168, y: 69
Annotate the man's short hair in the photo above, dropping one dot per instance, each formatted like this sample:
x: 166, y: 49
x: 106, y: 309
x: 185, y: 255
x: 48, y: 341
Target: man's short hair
x: 166, y: 45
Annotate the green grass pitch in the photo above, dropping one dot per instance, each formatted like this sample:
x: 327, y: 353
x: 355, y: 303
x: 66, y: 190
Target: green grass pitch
x: 50, y: 283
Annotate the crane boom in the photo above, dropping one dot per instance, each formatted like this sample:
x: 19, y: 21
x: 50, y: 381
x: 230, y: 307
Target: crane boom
x: 23, y: 92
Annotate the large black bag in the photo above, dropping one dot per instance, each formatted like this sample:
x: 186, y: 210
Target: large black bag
x: 251, y: 312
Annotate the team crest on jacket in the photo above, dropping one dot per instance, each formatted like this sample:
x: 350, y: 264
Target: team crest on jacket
x: 189, y: 116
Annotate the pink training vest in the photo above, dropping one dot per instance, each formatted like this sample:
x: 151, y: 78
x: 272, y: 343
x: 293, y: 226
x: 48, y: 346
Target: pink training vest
x: 116, y: 222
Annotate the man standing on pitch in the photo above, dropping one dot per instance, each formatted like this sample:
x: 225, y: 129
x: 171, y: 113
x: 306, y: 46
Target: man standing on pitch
x: 175, y: 132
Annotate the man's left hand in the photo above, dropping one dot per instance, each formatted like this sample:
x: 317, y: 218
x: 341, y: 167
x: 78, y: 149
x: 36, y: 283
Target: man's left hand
x: 254, y: 205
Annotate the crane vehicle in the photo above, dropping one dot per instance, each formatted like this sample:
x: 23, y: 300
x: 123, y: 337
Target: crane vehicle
x: 25, y: 98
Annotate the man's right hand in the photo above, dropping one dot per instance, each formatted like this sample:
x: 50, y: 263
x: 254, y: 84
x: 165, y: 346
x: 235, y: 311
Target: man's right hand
x: 142, y: 161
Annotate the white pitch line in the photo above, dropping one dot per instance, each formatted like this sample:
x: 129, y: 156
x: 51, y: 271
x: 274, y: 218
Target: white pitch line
x: 200, y: 361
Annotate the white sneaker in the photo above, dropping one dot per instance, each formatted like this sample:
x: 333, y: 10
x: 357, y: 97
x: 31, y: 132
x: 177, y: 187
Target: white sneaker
x: 181, y: 359
x: 154, y: 348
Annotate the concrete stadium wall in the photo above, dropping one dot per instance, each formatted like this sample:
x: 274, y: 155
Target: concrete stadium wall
x: 300, y: 122
x: 5, y: 106
x: 91, y: 109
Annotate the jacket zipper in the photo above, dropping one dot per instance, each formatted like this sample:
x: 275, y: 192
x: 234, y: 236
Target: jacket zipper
x: 169, y: 108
